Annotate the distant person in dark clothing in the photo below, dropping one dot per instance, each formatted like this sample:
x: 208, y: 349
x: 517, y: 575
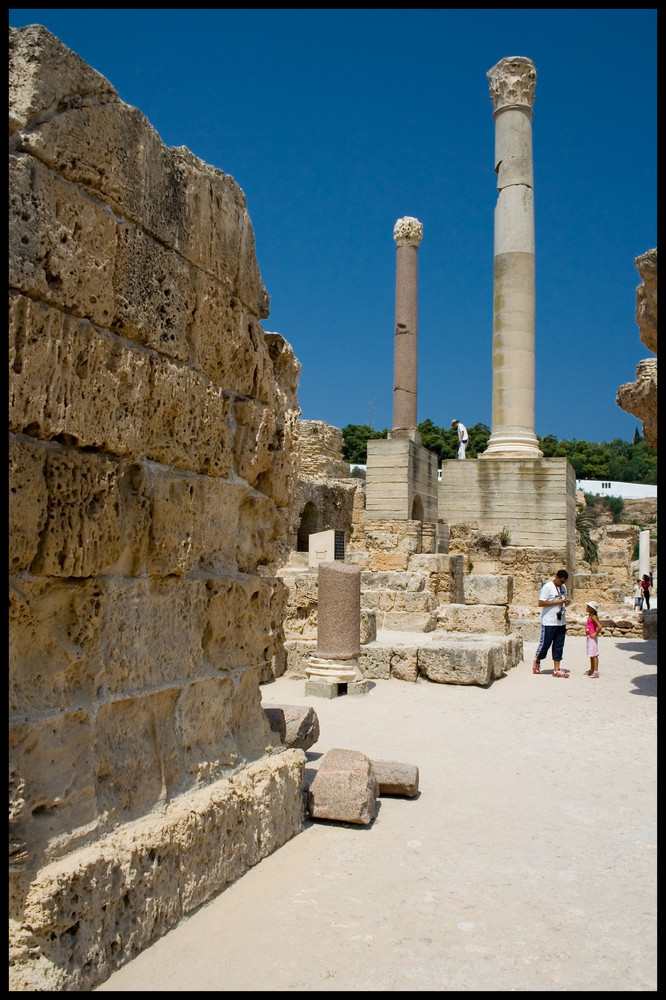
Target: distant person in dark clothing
x: 646, y: 584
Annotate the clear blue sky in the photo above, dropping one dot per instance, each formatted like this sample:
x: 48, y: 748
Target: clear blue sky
x: 335, y: 123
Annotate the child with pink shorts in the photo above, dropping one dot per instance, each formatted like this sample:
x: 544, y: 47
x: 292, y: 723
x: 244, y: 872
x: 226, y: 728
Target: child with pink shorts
x: 592, y: 630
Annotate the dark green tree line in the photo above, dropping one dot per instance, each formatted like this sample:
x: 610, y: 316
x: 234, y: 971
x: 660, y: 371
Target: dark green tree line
x: 621, y: 461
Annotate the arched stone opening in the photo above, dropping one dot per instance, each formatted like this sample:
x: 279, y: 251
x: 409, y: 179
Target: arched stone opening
x: 308, y: 525
x: 417, y: 508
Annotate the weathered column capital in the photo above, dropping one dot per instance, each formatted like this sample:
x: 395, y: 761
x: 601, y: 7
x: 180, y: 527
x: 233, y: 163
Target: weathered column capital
x: 512, y: 83
x: 408, y: 232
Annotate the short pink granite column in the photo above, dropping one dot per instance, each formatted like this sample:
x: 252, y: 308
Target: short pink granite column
x: 407, y: 234
x: 339, y: 611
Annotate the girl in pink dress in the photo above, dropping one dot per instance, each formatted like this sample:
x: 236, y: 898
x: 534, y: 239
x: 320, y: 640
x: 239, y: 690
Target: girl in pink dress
x: 592, y: 630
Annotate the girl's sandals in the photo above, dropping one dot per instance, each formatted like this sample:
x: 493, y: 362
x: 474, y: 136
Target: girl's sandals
x: 594, y: 673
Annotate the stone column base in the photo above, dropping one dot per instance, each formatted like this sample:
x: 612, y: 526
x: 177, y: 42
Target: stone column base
x: 330, y: 678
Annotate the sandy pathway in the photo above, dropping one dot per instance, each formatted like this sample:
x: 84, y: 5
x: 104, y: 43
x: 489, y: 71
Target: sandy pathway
x: 528, y: 862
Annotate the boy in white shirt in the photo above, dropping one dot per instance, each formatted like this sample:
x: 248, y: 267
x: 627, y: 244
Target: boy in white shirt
x: 553, y: 601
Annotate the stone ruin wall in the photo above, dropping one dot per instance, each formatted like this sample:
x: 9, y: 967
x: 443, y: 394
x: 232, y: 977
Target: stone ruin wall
x: 152, y: 428
x: 320, y: 447
x: 640, y: 397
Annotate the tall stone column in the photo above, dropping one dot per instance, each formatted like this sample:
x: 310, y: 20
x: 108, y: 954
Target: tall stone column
x: 644, y: 553
x: 512, y: 85
x: 407, y: 234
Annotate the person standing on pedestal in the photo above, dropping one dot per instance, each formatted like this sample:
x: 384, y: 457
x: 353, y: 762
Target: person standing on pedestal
x: 463, y: 438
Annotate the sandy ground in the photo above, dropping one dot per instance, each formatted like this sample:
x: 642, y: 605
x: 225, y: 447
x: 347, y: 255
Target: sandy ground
x: 527, y: 862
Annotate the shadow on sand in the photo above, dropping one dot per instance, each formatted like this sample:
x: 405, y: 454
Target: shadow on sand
x: 645, y: 652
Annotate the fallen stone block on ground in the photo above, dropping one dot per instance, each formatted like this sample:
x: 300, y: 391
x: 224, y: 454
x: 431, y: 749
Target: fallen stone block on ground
x: 345, y: 788
x: 396, y: 778
x: 296, y: 725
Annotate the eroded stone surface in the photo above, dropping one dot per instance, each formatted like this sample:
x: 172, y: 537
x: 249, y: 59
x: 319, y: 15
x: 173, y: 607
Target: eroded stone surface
x: 640, y: 397
x: 153, y: 457
x: 296, y: 725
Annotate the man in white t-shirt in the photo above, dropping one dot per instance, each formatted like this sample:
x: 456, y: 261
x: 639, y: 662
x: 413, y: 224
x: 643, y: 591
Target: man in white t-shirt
x: 553, y: 602
x: 462, y: 437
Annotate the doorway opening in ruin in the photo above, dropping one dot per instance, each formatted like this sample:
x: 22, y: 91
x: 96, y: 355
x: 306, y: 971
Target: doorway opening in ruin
x: 307, y: 527
x: 417, y: 509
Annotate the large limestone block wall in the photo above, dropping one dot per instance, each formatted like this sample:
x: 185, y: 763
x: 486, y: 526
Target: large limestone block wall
x: 320, y: 450
x: 640, y: 397
x: 534, y: 499
x: 401, y: 481
x: 152, y: 461
x: 324, y: 495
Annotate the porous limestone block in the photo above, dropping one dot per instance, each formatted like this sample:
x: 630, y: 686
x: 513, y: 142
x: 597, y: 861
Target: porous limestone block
x: 287, y: 371
x: 396, y: 778
x: 185, y: 203
x: 242, y: 619
x: 28, y: 500
x: 393, y: 561
x: 404, y: 664
x: 97, y: 509
x: 255, y: 438
x: 154, y: 298
x: 43, y: 73
x: 371, y: 600
x: 388, y: 580
x: 136, y: 759
x: 368, y: 626
x: 296, y: 725
x: 194, y: 520
x: 249, y: 724
x: 513, y: 650
x: 414, y: 602
x: 228, y: 344
x: 154, y: 632
x: 55, y: 643
x: 345, y: 788
x: 488, y: 589
x: 67, y: 378
x: 83, y: 917
x: 279, y: 481
x: 204, y: 728
x: 375, y: 662
x: 62, y: 244
x: 462, y: 663
x: 261, y: 527
x: 410, y: 621
x: 52, y: 787
x: 473, y: 618
x: 300, y: 652
x: 139, y: 179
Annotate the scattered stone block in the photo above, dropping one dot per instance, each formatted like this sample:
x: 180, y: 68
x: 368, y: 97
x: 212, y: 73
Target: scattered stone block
x: 465, y: 662
x: 404, y: 664
x: 345, y: 788
x: 650, y: 624
x: 296, y: 725
x: 395, y: 778
x: 318, y: 688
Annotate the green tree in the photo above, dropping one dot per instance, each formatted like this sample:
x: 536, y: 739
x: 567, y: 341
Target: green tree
x: 355, y: 439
